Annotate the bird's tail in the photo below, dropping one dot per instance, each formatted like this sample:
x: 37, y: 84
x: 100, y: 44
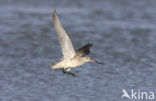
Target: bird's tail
x: 54, y: 66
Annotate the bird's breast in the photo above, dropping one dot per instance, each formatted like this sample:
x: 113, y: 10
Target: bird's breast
x: 73, y: 63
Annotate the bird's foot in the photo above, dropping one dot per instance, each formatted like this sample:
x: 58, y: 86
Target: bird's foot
x: 67, y: 72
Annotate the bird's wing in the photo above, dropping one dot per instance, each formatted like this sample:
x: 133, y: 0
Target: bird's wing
x: 65, y: 42
x: 85, y: 50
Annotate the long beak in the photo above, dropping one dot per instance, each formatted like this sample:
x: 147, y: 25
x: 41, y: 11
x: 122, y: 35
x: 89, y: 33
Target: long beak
x: 94, y: 61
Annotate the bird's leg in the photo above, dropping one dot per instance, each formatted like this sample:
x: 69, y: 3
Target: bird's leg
x: 66, y: 71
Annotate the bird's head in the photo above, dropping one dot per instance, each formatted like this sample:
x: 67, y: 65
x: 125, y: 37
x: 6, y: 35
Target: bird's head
x: 88, y: 59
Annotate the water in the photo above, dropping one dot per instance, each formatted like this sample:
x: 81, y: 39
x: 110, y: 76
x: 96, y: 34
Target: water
x: 123, y: 34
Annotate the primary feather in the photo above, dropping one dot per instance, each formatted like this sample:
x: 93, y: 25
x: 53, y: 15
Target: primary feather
x: 85, y: 50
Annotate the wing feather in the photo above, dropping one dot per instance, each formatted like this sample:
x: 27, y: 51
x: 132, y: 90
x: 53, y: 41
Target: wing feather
x: 85, y: 50
x: 65, y: 42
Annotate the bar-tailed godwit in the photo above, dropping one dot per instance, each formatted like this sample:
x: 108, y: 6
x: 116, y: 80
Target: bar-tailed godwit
x: 71, y: 58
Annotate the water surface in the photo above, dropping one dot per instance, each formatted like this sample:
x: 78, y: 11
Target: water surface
x: 123, y: 33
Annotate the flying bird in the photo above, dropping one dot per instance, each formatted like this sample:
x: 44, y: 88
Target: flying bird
x: 71, y: 58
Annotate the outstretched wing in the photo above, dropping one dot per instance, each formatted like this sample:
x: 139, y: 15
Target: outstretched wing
x: 65, y: 42
x: 85, y: 50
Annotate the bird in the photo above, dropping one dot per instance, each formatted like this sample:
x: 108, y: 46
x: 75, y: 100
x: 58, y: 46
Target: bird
x: 71, y: 58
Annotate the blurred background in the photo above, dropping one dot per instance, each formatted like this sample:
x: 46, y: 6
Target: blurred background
x: 123, y: 33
